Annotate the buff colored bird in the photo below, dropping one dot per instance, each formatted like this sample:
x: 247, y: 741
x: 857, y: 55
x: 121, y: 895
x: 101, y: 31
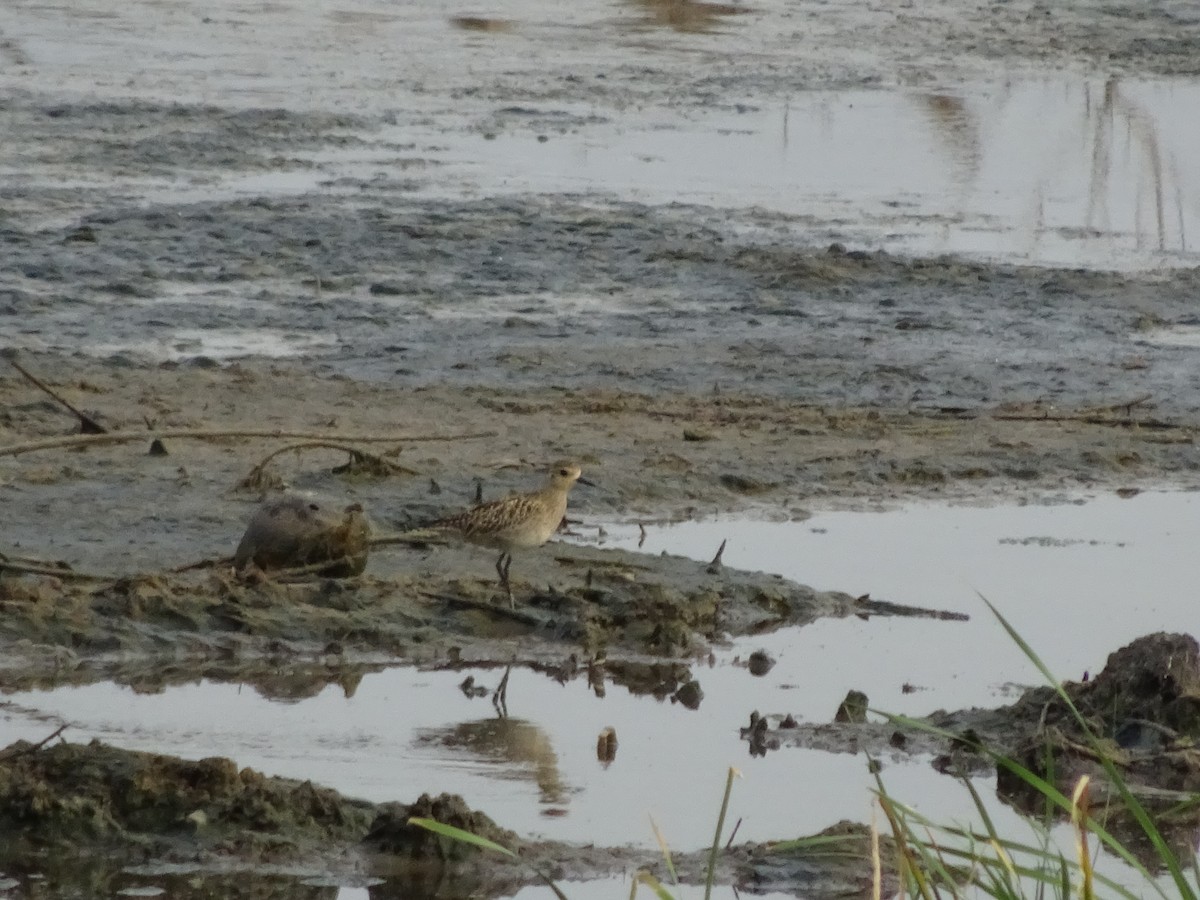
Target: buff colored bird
x: 517, y: 522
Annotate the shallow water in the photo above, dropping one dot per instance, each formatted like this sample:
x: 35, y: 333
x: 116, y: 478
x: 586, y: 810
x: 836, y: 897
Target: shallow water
x: 1058, y: 171
x: 1078, y: 580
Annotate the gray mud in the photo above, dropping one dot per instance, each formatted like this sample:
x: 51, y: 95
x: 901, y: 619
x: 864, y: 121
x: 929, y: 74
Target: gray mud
x: 252, y: 216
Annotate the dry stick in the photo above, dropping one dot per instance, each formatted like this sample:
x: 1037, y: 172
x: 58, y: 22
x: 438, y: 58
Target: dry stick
x: 34, y: 567
x: 715, y: 566
x: 515, y: 614
x: 89, y: 440
x: 303, y: 572
x: 86, y: 423
x: 212, y: 562
x: 33, y: 748
x: 1091, y: 419
x: 418, y: 537
x: 332, y: 445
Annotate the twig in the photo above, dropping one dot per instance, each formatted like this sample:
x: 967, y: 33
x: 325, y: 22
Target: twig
x: 213, y: 562
x: 715, y: 566
x: 39, y: 567
x: 204, y: 434
x: 418, y: 537
x: 733, y: 834
x: 357, y: 456
x: 516, y: 615
x: 1126, y: 405
x: 87, y: 424
x: 33, y: 748
x: 303, y: 572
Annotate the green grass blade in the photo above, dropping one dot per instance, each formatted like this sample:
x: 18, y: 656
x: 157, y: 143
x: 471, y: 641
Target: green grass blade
x: 458, y: 834
x: 666, y: 851
x: 654, y: 884
x: 716, y: 845
x: 1130, y: 802
x: 466, y: 837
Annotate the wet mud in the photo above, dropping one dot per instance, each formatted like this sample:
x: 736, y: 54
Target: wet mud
x: 168, y: 817
x: 220, y: 252
x: 1141, y: 714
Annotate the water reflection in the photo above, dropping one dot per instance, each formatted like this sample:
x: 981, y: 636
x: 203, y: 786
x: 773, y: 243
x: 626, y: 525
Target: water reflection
x: 1118, y: 149
x: 518, y: 748
x: 1061, y: 171
x: 103, y: 877
x: 689, y: 16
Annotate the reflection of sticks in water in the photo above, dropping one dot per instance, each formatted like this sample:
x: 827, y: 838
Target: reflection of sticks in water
x: 500, y: 696
x: 1143, y: 129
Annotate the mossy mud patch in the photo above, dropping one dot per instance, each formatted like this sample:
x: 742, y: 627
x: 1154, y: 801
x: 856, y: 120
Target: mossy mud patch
x: 74, y: 815
x: 1141, y: 714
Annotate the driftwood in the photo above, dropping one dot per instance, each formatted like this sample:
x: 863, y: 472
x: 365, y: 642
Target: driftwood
x: 28, y: 566
x: 378, y: 464
x: 207, y: 434
x: 10, y: 753
x: 87, y: 424
x: 496, y: 609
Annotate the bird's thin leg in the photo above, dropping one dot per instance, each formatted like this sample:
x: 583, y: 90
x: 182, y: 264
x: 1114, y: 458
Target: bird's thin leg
x: 503, y: 564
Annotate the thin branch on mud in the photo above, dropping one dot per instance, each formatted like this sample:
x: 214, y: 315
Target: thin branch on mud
x: 25, y: 566
x: 33, y: 748
x: 733, y: 834
x: 299, y: 573
x: 1126, y: 405
x: 418, y: 537
x: 378, y: 464
x: 1114, y: 414
x: 213, y: 562
x: 87, y: 424
x: 205, y: 434
x: 497, y: 609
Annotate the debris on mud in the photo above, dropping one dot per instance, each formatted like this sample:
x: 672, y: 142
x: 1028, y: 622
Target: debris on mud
x: 1144, y: 707
x: 599, y: 598
x: 67, y: 795
x: 392, y: 832
x: 86, y: 802
x: 1142, y: 714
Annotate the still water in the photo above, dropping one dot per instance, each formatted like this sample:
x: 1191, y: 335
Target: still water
x: 1077, y: 579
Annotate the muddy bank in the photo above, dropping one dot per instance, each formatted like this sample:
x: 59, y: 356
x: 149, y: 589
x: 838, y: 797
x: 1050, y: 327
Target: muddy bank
x: 600, y: 601
x: 656, y: 454
x: 111, y: 814
x: 1141, y: 714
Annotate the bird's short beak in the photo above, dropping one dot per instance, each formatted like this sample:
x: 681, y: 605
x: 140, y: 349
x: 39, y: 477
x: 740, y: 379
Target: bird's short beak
x: 583, y: 480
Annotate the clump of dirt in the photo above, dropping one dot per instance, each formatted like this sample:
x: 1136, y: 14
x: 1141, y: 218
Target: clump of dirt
x: 392, y: 831
x: 1142, y: 715
x: 1143, y: 708
x: 70, y: 794
x: 292, y: 532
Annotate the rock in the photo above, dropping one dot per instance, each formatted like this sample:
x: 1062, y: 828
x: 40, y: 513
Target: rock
x: 293, y: 532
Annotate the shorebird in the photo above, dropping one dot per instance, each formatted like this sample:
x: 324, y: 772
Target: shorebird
x: 517, y: 522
